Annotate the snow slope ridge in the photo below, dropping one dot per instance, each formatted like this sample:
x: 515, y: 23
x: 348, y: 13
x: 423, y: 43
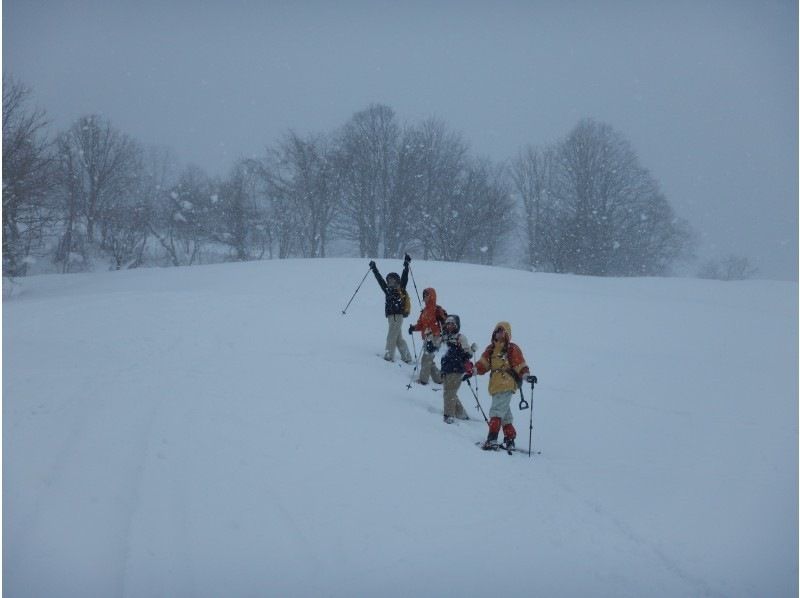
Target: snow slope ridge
x: 226, y: 431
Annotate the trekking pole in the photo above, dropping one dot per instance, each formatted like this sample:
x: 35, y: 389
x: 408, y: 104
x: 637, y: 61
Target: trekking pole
x: 344, y: 311
x: 416, y: 361
x: 477, y: 402
x: 416, y: 290
x: 523, y: 404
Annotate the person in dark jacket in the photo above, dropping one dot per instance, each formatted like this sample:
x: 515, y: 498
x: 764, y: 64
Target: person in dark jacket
x: 455, y: 363
x: 394, y: 287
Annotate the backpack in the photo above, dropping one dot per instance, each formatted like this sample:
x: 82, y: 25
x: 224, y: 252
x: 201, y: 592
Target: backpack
x: 406, y: 302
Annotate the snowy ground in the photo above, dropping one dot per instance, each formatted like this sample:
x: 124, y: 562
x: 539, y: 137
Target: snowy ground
x: 226, y: 431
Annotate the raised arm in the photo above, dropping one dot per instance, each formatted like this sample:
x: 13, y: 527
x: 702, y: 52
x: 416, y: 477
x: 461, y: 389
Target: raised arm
x: 378, y: 276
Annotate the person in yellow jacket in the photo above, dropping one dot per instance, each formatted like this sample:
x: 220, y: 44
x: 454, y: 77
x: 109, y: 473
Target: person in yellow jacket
x: 506, y: 365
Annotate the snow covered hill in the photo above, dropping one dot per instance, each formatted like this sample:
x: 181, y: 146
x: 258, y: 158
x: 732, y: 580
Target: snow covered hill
x: 226, y: 431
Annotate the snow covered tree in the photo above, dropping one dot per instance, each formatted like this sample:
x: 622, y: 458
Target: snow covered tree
x: 180, y: 218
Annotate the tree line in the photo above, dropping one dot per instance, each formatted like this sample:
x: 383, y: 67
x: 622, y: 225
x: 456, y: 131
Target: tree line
x: 374, y: 186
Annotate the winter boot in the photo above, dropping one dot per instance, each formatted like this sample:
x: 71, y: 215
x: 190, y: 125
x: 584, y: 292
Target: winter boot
x: 449, y: 419
x: 508, y: 443
x: 491, y: 439
x: 490, y: 445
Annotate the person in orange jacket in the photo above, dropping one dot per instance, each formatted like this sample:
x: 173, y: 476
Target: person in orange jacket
x: 429, y: 325
x: 507, y: 367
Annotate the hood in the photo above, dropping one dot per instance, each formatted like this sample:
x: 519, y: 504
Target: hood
x: 505, y: 326
x: 430, y: 296
x: 453, y: 318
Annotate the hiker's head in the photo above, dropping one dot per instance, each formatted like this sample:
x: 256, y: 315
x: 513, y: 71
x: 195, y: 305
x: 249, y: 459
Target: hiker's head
x: 451, y: 324
x: 502, y: 332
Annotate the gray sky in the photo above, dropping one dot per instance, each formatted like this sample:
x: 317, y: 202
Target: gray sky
x: 706, y: 91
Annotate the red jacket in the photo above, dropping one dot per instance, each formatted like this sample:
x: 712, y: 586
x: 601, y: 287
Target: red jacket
x: 432, y: 316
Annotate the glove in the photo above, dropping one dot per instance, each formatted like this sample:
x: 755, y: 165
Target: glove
x: 372, y: 266
x: 531, y: 379
x: 430, y: 347
x: 411, y: 329
x: 407, y: 259
x: 469, y: 370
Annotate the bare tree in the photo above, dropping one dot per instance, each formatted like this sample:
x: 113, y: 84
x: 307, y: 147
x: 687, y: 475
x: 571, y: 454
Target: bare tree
x: 180, y: 216
x: 650, y: 238
x: 367, y: 161
x: 301, y: 176
x: 475, y: 220
x: 430, y: 185
x: 27, y: 177
x: 236, y: 218
x: 283, y: 223
x: 494, y: 214
x: 126, y: 229
x: 72, y: 246
x: 610, y: 216
x: 97, y: 166
x: 532, y: 174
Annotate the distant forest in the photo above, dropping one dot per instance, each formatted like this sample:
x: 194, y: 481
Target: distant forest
x: 93, y: 197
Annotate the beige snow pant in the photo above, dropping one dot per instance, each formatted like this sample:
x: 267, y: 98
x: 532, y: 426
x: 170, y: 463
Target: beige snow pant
x: 427, y: 366
x: 452, y: 404
x: 395, y: 340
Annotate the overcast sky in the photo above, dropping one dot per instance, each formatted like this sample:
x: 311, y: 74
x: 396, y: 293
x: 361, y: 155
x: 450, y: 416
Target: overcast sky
x: 706, y: 91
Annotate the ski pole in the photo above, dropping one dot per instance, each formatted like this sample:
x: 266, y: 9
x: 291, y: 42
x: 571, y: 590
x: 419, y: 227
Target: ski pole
x: 416, y: 361
x: 416, y: 290
x: 344, y: 311
x: 533, y: 380
x: 477, y: 402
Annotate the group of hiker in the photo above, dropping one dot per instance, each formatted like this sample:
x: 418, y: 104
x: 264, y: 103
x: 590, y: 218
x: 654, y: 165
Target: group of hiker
x: 502, y: 359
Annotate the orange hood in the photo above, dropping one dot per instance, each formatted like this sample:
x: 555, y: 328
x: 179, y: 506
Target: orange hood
x: 430, y: 296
